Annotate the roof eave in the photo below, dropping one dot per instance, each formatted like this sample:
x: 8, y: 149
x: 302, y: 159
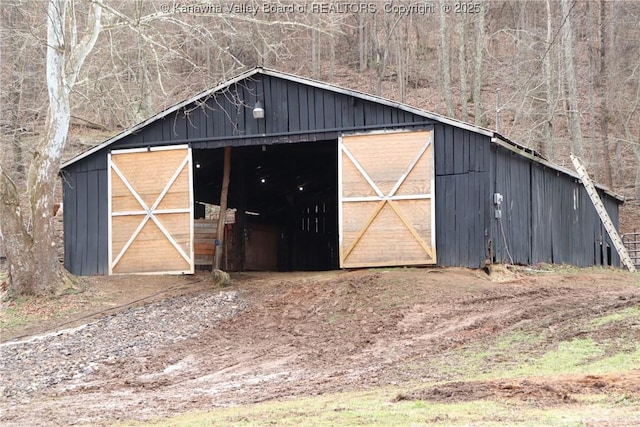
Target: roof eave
x: 378, y: 99
x: 160, y: 115
x: 291, y: 77
x: 529, y: 153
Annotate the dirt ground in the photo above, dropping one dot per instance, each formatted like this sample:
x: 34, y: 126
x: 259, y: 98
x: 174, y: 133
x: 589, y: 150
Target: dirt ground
x: 303, y: 334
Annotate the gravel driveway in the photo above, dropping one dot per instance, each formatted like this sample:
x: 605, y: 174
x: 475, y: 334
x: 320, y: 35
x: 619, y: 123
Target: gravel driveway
x: 31, y: 366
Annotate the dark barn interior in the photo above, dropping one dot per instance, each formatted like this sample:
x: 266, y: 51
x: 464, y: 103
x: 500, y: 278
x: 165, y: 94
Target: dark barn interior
x: 285, y: 197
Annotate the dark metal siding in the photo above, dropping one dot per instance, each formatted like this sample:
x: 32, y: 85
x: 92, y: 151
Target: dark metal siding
x: 512, y: 233
x: 611, y: 206
x: 547, y: 216
x: 462, y: 196
x: 293, y: 113
x: 85, y: 216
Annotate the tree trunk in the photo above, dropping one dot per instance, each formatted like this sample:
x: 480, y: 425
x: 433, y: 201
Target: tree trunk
x: 382, y: 52
x: 18, y: 243
x: 462, y: 65
x: 362, y: 42
x: 593, y: 86
x: 477, y: 68
x: 401, y: 61
x: 34, y: 268
x: 332, y: 57
x: 575, y: 127
x: 636, y: 152
x: 144, y: 109
x: 315, y: 48
x: 604, y: 108
x: 15, y: 88
x: 446, y: 63
x: 629, y: 134
x: 548, y: 74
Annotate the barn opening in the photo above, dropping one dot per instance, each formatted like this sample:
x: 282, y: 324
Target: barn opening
x: 285, y: 202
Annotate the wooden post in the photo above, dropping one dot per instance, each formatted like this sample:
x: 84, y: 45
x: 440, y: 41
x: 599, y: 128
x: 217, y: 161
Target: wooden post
x: 223, y: 208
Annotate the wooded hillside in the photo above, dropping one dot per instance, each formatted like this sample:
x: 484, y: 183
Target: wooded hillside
x: 556, y: 76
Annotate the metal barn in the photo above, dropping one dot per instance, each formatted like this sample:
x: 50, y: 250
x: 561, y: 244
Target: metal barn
x: 321, y: 177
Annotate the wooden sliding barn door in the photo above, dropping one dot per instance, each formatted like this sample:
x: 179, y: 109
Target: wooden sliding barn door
x: 386, y: 199
x: 151, y: 211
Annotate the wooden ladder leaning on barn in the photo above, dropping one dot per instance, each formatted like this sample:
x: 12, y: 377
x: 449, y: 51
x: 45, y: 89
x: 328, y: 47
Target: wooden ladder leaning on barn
x: 602, y: 212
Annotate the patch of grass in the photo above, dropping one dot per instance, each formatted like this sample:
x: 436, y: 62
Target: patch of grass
x: 486, y: 361
x: 520, y: 354
x: 29, y: 311
x: 379, y: 407
x: 519, y: 340
x: 12, y: 315
x: 568, y: 357
x: 629, y: 313
x: 373, y: 407
x: 624, y: 361
x: 578, y: 356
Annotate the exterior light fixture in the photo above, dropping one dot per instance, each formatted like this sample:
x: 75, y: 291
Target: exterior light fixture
x: 263, y: 180
x: 258, y: 111
x: 300, y: 188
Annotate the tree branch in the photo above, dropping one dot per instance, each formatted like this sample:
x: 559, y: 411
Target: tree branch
x: 81, y: 49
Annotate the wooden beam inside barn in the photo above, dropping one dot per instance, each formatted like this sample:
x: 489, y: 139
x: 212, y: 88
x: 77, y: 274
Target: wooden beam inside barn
x: 223, y: 208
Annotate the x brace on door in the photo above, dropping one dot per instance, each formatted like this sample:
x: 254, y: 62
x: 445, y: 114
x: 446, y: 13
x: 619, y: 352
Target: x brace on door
x: 150, y: 212
x: 387, y: 199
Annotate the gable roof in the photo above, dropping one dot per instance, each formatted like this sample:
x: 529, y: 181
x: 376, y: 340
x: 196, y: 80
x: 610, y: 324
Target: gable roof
x: 495, y: 137
x: 285, y: 76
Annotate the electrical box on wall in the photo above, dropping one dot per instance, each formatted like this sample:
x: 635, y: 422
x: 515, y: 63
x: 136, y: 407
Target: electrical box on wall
x: 497, y: 201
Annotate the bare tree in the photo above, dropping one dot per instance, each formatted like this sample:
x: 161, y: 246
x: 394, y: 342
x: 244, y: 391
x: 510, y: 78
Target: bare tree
x: 403, y: 51
x: 385, y: 29
x: 462, y: 64
x: 446, y: 63
x: 635, y: 145
x: 12, y: 103
x: 575, y: 127
x: 477, y: 66
x: 548, y: 145
x: 603, y: 93
x: 631, y: 121
x: 22, y: 92
x: 28, y: 234
x: 363, y: 57
x: 315, y: 50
